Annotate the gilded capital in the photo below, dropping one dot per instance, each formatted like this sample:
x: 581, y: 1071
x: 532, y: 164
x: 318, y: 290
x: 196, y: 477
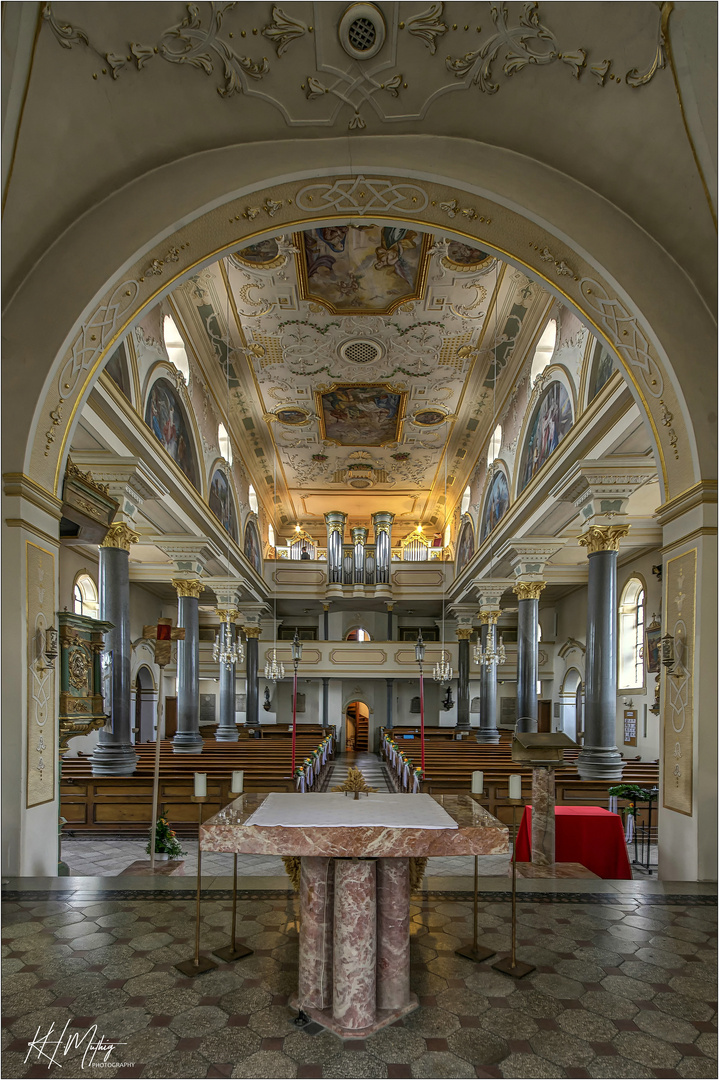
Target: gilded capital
x: 188, y: 587
x: 120, y: 535
x: 463, y: 633
x: 489, y: 618
x: 227, y: 614
x: 602, y: 537
x: 528, y: 590
x: 252, y: 632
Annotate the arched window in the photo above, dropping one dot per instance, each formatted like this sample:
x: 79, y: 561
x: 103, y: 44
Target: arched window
x: 544, y: 350
x: 358, y: 634
x: 175, y: 347
x: 494, y: 444
x: 84, y: 596
x: 270, y: 536
x: 225, y: 445
x: 631, y: 635
x: 465, y: 499
x: 252, y: 499
x: 447, y: 534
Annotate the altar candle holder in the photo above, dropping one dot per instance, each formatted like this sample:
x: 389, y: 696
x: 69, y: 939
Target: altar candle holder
x: 234, y: 951
x: 198, y: 964
x: 509, y: 965
x: 475, y: 951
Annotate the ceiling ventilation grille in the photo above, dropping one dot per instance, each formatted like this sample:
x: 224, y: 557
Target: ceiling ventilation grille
x: 360, y: 351
x: 362, y: 31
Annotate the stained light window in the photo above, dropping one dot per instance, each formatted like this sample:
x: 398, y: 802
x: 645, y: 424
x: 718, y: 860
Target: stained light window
x: 544, y: 350
x: 175, y: 347
x: 252, y: 499
x: 494, y: 444
x: 225, y: 445
x: 84, y: 597
x: 631, y: 635
x: 465, y: 499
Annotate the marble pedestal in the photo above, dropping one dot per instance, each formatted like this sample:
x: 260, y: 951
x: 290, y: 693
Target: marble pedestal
x: 354, y: 976
x: 543, y: 800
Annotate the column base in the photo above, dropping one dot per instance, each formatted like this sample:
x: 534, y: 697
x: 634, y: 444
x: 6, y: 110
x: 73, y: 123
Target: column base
x: 227, y: 734
x: 600, y: 763
x: 113, y: 760
x: 187, y: 742
x: 526, y: 724
x: 487, y: 735
x: 383, y: 1018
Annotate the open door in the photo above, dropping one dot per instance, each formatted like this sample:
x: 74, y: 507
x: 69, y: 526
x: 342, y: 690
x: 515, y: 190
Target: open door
x: 544, y: 716
x: 357, y: 726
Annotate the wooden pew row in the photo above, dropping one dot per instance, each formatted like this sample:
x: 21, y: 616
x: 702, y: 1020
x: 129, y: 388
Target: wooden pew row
x: 115, y: 805
x: 449, y: 768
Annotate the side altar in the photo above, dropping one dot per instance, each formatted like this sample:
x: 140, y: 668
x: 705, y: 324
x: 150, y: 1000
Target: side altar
x: 354, y: 973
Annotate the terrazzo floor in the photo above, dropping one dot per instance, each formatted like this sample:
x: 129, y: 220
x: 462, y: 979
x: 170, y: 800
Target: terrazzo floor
x: 624, y: 986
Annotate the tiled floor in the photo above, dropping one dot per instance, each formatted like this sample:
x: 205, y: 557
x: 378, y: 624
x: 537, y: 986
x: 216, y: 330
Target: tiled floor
x: 624, y: 986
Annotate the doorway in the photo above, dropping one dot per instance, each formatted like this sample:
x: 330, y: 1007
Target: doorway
x: 544, y: 716
x: 357, y: 727
x: 145, y: 703
x: 572, y: 705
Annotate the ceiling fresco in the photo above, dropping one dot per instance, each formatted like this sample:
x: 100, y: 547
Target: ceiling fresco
x: 360, y: 357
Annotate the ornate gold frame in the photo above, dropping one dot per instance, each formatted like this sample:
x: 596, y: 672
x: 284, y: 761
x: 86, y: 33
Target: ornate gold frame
x: 308, y: 296
x: 323, y: 389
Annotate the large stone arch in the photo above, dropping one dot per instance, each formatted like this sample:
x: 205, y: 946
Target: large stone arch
x: 186, y: 214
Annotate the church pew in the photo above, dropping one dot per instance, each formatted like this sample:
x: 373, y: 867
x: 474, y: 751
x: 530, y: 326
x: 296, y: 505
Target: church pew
x: 115, y: 805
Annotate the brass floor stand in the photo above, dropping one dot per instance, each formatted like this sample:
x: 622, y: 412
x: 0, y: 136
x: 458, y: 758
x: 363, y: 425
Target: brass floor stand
x: 199, y: 964
x: 509, y: 965
x: 233, y: 951
x: 475, y: 951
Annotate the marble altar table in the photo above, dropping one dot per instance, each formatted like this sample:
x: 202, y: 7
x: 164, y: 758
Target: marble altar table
x: 355, y: 895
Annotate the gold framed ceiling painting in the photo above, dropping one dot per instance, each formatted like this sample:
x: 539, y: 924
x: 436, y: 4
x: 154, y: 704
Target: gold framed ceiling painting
x: 362, y: 269
x: 361, y: 414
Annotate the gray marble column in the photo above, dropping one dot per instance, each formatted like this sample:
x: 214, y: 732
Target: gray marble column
x: 325, y: 622
x: 252, y: 635
x: 227, y: 729
x: 390, y: 690
x: 188, y: 739
x: 463, y: 636
x: 114, y: 754
x: 600, y: 759
x: 390, y: 609
x: 487, y: 731
x: 325, y: 701
x: 527, y: 653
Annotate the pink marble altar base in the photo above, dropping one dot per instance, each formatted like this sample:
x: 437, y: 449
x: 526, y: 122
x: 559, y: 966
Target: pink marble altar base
x: 556, y: 870
x: 383, y: 1017
x: 171, y: 868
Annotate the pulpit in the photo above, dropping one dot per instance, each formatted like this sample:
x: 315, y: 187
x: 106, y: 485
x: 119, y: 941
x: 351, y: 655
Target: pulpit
x: 354, y: 887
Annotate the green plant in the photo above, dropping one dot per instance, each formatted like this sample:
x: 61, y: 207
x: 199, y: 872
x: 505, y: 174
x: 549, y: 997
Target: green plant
x: 166, y: 841
x: 632, y: 791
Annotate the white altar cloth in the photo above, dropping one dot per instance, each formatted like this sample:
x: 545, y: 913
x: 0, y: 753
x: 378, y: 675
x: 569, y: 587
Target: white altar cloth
x: 334, y: 809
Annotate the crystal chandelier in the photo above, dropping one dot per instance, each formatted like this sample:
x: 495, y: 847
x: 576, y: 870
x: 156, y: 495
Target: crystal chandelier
x: 274, y: 670
x: 232, y: 652
x: 491, y: 654
x: 443, y: 669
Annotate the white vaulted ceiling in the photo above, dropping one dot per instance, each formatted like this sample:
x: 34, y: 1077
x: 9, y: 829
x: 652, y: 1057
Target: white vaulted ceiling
x: 365, y: 360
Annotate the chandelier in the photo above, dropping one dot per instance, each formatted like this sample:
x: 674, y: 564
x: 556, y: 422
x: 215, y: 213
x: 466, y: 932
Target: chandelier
x: 231, y: 652
x: 491, y: 654
x: 274, y: 670
x: 443, y: 669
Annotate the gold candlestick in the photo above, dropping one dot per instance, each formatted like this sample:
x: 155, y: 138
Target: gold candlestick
x: 510, y: 965
x: 233, y: 951
x: 198, y: 964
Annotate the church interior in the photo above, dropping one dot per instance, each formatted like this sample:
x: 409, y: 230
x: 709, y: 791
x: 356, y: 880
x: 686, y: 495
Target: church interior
x: 359, y: 539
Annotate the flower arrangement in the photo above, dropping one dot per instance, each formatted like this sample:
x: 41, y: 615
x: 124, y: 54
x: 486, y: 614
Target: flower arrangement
x: 166, y: 842
x: 400, y: 457
x: 320, y: 457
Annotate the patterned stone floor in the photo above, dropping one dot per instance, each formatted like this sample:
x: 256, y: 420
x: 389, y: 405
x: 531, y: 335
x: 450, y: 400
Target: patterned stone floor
x: 625, y: 986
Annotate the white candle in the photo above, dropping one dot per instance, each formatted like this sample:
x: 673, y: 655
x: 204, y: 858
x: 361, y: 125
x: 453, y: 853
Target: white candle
x: 515, y: 786
x: 477, y: 782
x: 238, y: 777
x: 200, y: 785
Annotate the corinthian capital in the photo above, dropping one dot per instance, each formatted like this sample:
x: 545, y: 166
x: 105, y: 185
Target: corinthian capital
x: 529, y: 590
x: 602, y: 537
x: 120, y: 536
x: 188, y: 587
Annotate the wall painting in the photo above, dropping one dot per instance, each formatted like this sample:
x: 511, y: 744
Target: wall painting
x: 167, y: 418
x: 222, y: 504
x: 551, y: 422
x: 251, y: 546
x: 361, y: 415
x: 465, y: 546
x: 496, y: 504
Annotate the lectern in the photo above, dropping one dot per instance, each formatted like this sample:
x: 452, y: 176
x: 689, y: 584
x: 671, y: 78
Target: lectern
x: 544, y: 751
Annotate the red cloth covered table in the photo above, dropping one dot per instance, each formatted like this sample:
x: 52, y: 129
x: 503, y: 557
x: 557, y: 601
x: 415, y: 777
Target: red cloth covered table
x: 588, y: 835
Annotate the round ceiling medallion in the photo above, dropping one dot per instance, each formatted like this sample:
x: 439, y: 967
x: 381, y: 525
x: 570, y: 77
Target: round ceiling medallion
x: 429, y: 417
x: 361, y: 350
x: 362, y: 31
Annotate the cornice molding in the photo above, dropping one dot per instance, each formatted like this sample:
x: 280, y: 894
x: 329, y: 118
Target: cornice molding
x: 19, y: 485
x: 705, y: 492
